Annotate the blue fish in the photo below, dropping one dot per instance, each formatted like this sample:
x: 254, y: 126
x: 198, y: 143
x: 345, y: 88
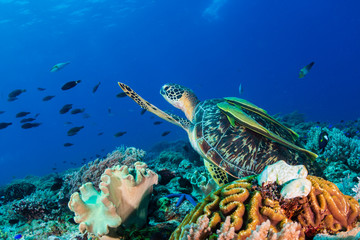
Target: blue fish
x: 18, y: 236
x: 240, y: 89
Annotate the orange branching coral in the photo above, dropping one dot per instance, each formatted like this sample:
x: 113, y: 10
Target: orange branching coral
x: 327, y: 209
x: 324, y: 209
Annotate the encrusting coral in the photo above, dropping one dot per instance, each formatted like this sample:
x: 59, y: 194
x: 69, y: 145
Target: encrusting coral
x: 248, y: 205
x: 123, y: 199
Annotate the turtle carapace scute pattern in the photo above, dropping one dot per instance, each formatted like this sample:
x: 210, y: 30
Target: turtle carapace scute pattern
x: 238, y: 150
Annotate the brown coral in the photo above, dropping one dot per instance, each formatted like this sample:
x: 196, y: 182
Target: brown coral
x: 327, y: 209
x: 324, y: 209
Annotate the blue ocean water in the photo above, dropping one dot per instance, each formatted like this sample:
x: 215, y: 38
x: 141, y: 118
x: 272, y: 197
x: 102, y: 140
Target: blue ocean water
x: 210, y: 46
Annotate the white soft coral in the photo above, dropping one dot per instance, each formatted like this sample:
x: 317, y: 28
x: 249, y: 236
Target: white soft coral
x: 123, y: 199
x: 356, y: 189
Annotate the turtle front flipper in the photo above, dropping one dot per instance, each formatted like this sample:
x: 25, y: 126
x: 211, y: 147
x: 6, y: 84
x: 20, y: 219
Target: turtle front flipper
x: 220, y: 176
x: 242, y: 103
x: 243, y: 119
x: 151, y: 108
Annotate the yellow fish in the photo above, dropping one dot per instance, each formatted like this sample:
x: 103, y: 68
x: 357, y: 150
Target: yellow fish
x: 305, y: 70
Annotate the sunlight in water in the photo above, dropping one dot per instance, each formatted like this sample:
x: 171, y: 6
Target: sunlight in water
x: 211, y: 12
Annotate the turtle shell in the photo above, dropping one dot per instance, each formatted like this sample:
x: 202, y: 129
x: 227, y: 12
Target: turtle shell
x: 238, y: 150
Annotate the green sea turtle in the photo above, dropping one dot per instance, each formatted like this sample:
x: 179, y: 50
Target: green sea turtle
x: 232, y: 135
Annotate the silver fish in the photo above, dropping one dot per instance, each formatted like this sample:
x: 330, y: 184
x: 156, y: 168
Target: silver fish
x: 59, y: 66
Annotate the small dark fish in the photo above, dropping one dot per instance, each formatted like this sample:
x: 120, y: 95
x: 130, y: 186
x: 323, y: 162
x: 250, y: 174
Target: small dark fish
x: 65, y: 108
x: 70, y: 85
x: 342, y: 121
x: 165, y: 133
x: 12, y: 99
x: 16, y: 93
x: 4, y: 125
x: 24, y: 120
x: 84, y: 159
x: 41, y: 89
x: 22, y: 114
x: 109, y: 110
x: 158, y: 123
x: 68, y: 144
x: 143, y: 111
x: 77, y: 110
x: 30, y: 125
x: 48, y: 98
x: 97, y: 155
x: 73, y: 131
x: 323, y: 141
x: 121, y: 95
x: 100, y: 133
x: 54, y: 168
x: 96, y: 87
x: 305, y: 70
x: 119, y: 134
x: 64, y: 161
x: 36, y: 115
x: 1, y: 112
x: 86, y: 115
x: 68, y: 123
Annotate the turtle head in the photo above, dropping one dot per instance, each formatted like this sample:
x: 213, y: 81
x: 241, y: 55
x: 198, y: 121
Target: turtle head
x: 180, y: 97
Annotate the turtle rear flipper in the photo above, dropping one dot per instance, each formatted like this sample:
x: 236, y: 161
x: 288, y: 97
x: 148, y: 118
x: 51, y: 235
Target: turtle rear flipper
x: 151, y: 108
x: 237, y: 115
x: 242, y: 103
x: 219, y: 175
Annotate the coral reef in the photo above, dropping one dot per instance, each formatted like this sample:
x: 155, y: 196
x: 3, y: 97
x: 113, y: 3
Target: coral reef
x: 123, y: 199
x: 340, y: 148
x: 340, y: 159
x: 291, y: 230
x: 18, y: 191
x: 92, y: 171
x: 42, y: 213
x: 353, y: 234
x: 181, y: 147
x: 42, y: 204
x: 165, y: 176
x: 292, y: 178
x: 281, y: 172
x: 356, y: 190
x: 202, y: 183
x: 325, y: 209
